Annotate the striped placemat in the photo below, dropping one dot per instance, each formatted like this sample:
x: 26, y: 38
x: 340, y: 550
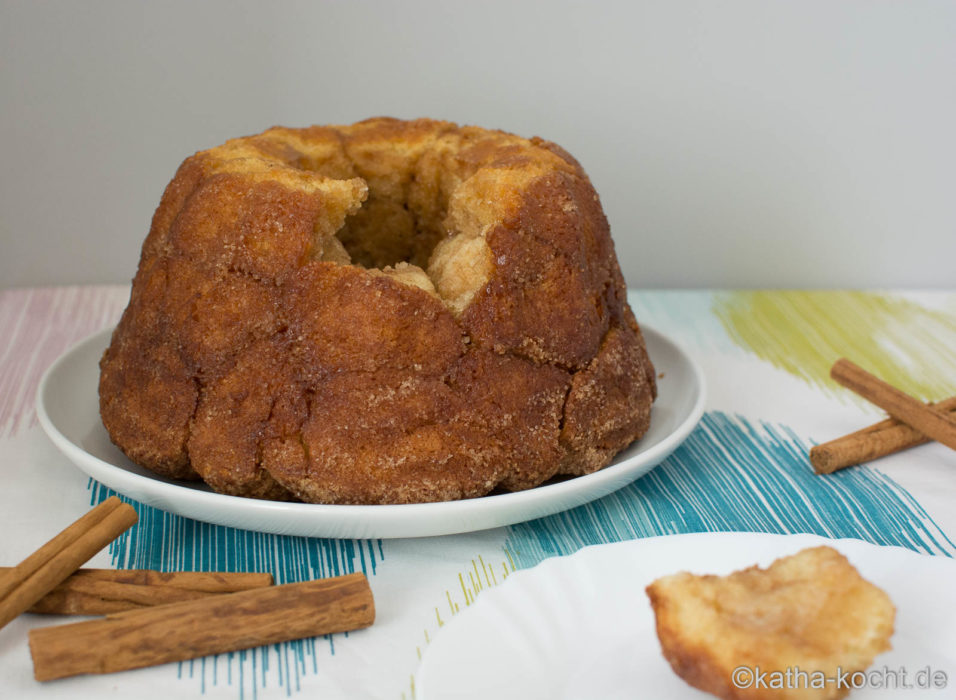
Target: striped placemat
x: 742, y: 469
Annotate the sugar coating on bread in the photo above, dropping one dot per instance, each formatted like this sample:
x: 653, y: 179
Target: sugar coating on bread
x: 386, y: 312
x: 809, y: 612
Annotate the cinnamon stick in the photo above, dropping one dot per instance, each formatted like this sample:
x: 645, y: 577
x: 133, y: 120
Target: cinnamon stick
x: 875, y: 441
x: 104, y: 591
x: 927, y: 420
x: 180, y: 631
x: 42, y: 571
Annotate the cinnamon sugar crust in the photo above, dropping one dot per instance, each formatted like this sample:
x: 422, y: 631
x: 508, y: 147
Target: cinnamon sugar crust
x: 809, y: 612
x: 387, y: 312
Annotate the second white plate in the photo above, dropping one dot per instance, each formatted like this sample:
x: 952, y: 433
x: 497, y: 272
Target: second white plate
x: 581, y: 626
x: 68, y: 409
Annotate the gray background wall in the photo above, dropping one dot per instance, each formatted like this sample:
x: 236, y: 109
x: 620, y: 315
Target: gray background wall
x: 734, y: 144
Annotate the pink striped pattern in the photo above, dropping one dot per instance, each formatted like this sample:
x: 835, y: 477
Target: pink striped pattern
x: 37, y: 325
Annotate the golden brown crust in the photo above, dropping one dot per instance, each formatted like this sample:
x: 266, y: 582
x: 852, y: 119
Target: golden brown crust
x: 809, y: 612
x: 609, y: 402
x: 384, y: 312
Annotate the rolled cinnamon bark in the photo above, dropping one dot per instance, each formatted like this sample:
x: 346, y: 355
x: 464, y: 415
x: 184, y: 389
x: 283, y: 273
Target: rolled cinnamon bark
x: 104, y: 591
x: 180, y: 631
x: 927, y: 420
x: 54, y: 562
x: 875, y: 441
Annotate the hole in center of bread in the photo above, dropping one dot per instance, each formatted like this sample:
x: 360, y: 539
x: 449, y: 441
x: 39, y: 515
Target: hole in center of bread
x: 411, y: 209
x: 386, y: 231
x: 412, y: 229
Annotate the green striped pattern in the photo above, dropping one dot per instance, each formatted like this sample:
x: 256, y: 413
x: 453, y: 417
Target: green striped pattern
x: 804, y: 332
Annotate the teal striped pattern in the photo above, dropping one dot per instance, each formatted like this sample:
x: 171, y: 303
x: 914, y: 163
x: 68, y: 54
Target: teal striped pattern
x: 732, y: 475
x: 168, y: 542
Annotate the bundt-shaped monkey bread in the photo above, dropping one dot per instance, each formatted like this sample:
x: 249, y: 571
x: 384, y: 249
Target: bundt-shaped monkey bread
x: 388, y: 312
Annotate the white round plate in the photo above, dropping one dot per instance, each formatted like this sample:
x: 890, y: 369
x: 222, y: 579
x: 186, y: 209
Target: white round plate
x: 581, y: 626
x: 68, y: 408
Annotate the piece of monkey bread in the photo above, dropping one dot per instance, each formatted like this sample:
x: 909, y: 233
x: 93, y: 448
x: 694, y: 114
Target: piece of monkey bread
x: 811, y: 614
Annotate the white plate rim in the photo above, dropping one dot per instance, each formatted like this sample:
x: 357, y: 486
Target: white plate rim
x: 364, y: 521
